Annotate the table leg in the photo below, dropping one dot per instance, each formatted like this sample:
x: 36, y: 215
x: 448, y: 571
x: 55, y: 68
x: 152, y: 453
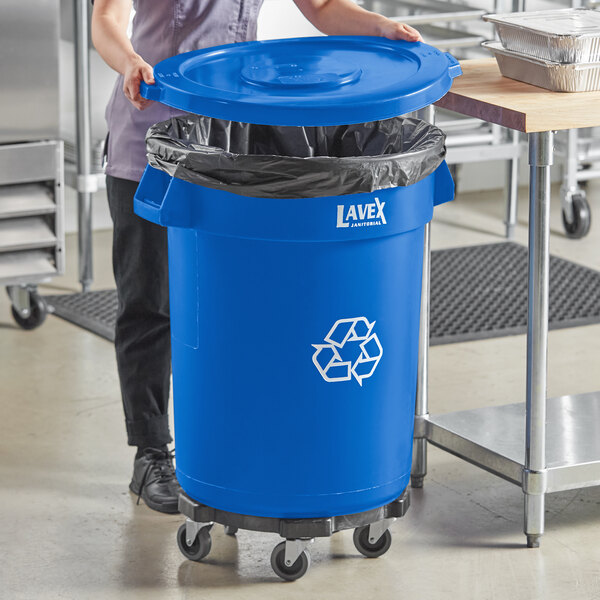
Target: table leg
x: 86, y: 184
x: 534, y: 473
x: 419, y: 464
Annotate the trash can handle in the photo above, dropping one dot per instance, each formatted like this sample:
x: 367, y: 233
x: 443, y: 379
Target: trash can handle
x: 163, y: 200
x: 443, y: 184
x: 151, y: 92
x: 150, y: 195
x: 454, y: 68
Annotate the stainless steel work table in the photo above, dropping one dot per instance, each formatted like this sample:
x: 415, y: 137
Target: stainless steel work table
x: 510, y: 441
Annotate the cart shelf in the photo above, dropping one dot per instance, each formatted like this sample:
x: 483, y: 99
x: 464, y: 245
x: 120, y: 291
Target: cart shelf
x: 25, y: 200
x: 25, y: 234
x: 26, y: 267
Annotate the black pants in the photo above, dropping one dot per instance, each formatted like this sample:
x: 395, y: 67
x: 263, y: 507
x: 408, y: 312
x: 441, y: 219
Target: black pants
x: 142, y: 337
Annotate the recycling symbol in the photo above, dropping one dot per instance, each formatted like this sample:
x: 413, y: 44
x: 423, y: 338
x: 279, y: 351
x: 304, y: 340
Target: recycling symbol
x: 351, y: 349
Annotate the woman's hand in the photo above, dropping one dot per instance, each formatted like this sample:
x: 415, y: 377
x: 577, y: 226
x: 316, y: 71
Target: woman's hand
x: 399, y: 31
x: 344, y: 17
x: 136, y: 71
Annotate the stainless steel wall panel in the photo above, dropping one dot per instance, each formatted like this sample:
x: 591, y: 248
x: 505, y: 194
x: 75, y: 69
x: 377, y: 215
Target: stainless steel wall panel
x: 29, y: 94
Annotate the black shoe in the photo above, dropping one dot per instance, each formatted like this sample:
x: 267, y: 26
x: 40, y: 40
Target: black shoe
x: 154, y: 480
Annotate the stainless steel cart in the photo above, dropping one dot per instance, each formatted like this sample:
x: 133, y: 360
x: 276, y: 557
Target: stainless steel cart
x: 581, y: 158
x: 31, y: 156
x: 31, y: 224
x: 468, y: 140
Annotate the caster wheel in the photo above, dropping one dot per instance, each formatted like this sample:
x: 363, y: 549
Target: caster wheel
x: 582, y: 218
x: 366, y: 548
x: 37, y: 314
x: 199, y: 549
x: 230, y: 530
x: 293, y: 572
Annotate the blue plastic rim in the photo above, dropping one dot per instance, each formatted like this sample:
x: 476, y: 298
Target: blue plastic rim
x: 295, y: 330
x: 336, y: 80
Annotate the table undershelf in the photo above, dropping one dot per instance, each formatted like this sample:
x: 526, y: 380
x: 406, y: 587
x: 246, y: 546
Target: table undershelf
x: 493, y: 438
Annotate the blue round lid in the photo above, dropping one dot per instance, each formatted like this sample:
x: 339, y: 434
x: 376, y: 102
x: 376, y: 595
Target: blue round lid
x: 305, y: 81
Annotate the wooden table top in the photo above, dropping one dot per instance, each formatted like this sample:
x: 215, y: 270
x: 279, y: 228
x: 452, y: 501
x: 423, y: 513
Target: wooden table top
x: 483, y: 93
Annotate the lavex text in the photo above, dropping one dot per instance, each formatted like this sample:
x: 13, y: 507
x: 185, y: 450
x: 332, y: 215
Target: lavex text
x: 361, y: 215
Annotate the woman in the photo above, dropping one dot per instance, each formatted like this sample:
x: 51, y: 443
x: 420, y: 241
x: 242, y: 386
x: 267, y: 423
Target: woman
x: 142, y: 341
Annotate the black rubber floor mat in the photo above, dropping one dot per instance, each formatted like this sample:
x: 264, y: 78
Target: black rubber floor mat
x: 477, y: 292
x: 480, y: 292
x: 94, y: 311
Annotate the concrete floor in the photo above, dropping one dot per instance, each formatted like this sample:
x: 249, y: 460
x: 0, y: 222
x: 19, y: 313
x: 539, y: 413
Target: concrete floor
x: 69, y: 528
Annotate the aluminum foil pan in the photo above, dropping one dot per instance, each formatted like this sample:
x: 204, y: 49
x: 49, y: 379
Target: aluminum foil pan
x: 558, y: 77
x: 569, y: 35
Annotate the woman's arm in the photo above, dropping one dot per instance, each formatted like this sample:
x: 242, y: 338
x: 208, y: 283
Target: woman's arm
x: 344, y: 17
x: 110, y: 19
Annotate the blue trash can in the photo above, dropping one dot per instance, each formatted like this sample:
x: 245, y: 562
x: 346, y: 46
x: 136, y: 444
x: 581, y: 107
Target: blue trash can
x: 295, y: 321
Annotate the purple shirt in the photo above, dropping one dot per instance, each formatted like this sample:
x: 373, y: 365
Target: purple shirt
x: 163, y: 28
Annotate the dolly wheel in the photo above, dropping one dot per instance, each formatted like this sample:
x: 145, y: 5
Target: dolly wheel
x: 37, y: 313
x: 366, y: 548
x: 293, y: 572
x: 230, y: 530
x: 200, y: 546
x: 582, y: 218
x: 416, y: 481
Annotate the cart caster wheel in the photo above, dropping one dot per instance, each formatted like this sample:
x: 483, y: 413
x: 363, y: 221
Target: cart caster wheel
x: 230, y: 530
x: 199, y: 548
x: 293, y: 572
x: 366, y: 548
x: 533, y: 541
x: 582, y: 218
x: 37, y: 313
x: 416, y: 481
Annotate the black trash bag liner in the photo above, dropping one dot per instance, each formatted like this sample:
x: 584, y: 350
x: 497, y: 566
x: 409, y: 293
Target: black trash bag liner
x: 266, y: 161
